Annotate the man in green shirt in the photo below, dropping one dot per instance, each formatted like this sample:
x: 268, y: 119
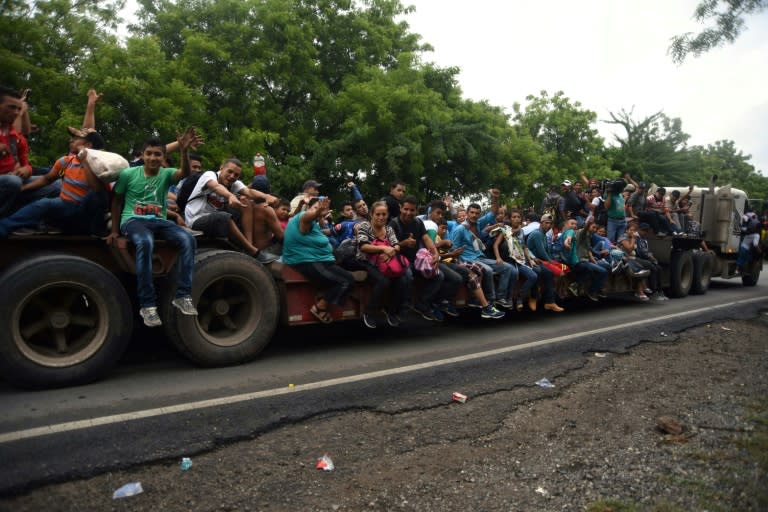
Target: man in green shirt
x: 139, y: 211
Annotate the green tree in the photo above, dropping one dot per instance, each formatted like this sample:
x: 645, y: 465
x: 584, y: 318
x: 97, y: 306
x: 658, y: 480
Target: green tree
x: 727, y: 18
x: 45, y: 45
x: 653, y: 149
x: 730, y: 165
x: 566, y: 132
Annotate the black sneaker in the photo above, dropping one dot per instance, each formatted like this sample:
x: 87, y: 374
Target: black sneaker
x: 24, y: 232
x: 393, y: 320
x: 425, y: 313
x: 369, y: 321
x: 439, y: 316
x: 491, y: 312
x: 448, y: 308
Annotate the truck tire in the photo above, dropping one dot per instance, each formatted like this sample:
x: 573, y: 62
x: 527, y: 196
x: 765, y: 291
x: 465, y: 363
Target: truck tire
x: 238, y: 310
x: 65, y: 321
x: 680, y: 274
x: 754, y: 273
x: 702, y: 272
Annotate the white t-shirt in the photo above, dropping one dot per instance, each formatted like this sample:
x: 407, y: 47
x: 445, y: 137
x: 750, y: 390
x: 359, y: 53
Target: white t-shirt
x: 595, y: 202
x: 203, y: 201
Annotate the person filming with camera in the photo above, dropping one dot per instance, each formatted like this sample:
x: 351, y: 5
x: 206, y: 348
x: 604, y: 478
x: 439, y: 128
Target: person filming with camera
x: 614, y: 204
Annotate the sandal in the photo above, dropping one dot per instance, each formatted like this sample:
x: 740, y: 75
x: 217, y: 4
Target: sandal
x: 321, y: 314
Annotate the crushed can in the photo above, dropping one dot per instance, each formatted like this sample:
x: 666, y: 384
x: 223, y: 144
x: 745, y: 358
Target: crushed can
x: 458, y: 397
x: 325, y: 463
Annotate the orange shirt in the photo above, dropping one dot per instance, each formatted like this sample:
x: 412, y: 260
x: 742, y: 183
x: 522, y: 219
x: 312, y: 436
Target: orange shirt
x: 74, y: 184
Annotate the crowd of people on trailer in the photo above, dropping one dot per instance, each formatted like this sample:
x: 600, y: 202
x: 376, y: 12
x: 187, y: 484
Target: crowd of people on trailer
x: 416, y: 257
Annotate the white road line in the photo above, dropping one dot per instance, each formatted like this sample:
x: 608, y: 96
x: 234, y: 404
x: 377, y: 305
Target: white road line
x: 191, y: 406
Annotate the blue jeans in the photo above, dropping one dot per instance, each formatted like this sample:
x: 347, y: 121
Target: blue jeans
x: 429, y: 287
x: 451, y: 283
x: 507, y: 276
x: 399, y: 287
x: 530, y: 277
x: 616, y: 228
x: 327, y: 274
x: 142, y: 233
x: 547, y: 280
x: 588, y: 271
x: 12, y: 198
x: 83, y: 218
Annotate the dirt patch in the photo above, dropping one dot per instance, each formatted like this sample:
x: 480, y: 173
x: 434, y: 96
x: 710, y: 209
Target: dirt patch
x: 595, y: 442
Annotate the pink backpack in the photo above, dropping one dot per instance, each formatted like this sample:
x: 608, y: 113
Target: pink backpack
x: 423, y: 264
x: 394, y: 267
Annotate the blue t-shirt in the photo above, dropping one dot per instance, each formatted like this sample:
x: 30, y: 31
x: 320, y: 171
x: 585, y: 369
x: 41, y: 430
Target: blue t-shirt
x: 461, y: 236
x: 309, y: 247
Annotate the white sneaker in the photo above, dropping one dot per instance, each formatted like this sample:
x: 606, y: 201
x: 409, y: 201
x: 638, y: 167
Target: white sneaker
x: 185, y: 305
x: 150, y: 316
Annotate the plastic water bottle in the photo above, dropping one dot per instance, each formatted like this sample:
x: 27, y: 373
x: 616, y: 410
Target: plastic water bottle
x: 131, y: 489
x: 259, y: 165
x: 186, y: 463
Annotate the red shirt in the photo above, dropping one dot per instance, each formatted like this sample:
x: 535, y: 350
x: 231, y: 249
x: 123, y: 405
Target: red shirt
x: 8, y: 162
x: 656, y: 205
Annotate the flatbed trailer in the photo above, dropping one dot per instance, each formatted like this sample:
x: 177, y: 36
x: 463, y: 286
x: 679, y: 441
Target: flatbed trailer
x: 68, y: 302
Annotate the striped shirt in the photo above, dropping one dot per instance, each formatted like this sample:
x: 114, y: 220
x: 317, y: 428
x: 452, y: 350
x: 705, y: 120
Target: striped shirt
x: 74, y: 185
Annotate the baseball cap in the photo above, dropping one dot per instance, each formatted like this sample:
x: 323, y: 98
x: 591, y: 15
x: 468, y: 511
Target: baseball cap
x: 96, y: 140
x: 93, y: 137
x: 546, y: 217
x: 261, y: 183
x: 310, y: 184
x: 629, y: 188
x: 567, y: 183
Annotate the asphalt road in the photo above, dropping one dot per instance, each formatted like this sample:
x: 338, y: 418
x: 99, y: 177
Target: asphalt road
x: 157, y: 406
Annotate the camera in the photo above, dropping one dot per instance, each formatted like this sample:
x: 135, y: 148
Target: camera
x: 613, y: 186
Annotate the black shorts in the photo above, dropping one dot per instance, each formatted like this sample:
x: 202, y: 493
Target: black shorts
x: 214, y: 225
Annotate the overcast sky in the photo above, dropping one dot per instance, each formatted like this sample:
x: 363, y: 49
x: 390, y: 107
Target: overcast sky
x: 607, y: 54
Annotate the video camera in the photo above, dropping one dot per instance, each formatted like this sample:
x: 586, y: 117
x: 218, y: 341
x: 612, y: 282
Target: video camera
x: 612, y: 186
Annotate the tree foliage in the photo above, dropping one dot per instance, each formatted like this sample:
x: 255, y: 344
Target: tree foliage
x: 727, y: 22
x: 567, y: 134
x: 45, y: 46
x: 653, y: 149
x: 730, y: 165
x: 328, y: 89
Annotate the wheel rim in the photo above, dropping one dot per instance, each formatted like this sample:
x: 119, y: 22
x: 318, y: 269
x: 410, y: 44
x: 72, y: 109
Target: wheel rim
x: 229, y: 310
x: 60, y: 324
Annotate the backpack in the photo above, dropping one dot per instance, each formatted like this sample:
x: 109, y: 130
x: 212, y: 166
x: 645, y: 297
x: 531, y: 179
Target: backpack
x: 423, y: 264
x: 393, y: 267
x: 346, y: 252
x: 601, y: 213
x: 182, y: 196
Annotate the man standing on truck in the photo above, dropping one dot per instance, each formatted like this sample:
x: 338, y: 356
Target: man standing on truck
x: 138, y: 211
